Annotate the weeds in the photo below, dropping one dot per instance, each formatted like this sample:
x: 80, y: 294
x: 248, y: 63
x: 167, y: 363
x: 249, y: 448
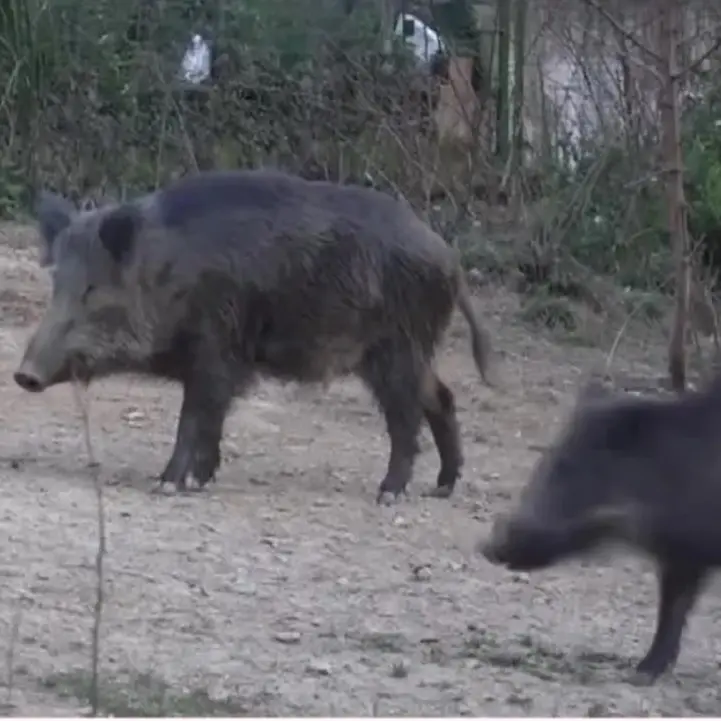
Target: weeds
x: 94, y: 691
x: 144, y: 695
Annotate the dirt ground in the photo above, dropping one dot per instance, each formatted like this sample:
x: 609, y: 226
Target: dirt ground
x: 285, y: 590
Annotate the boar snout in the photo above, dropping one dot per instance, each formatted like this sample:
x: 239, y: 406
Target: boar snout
x: 492, y: 547
x: 32, y: 375
x: 45, y: 363
x: 28, y: 379
x: 521, y: 544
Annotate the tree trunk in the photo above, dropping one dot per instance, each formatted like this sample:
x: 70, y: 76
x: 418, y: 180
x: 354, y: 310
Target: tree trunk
x: 386, y: 10
x: 519, y: 63
x: 504, y: 97
x: 670, y: 30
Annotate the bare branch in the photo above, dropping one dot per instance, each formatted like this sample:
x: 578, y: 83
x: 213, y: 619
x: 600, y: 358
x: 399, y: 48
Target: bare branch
x: 82, y: 402
x: 696, y: 64
x: 630, y: 36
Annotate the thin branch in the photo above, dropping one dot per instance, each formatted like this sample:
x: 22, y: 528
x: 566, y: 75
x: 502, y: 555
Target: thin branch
x: 100, y: 554
x: 696, y: 64
x: 10, y: 658
x: 630, y: 36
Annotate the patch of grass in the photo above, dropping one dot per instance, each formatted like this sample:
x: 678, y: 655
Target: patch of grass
x: 383, y: 642
x: 547, y: 310
x: 526, y: 654
x: 399, y: 670
x: 143, y: 695
x: 436, y: 654
x: 479, y: 642
x: 648, y: 306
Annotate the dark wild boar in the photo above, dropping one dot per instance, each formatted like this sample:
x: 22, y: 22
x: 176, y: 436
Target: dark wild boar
x: 642, y: 472
x: 224, y: 277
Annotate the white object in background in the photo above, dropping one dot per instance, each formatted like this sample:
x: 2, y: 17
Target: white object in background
x: 425, y: 41
x: 196, y: 61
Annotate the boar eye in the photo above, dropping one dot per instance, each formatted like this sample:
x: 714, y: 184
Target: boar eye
x: 88, y: 290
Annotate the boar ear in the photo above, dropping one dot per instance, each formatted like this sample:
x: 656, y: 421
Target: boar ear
x: 118, y: 230
x: 54, y: 214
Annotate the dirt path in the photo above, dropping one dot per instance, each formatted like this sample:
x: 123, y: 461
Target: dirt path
x: 285, y: 590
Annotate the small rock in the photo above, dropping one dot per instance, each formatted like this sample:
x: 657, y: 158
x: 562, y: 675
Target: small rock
x: 421, y: 573
x: 400, y: 521
x: 597, y: 710
x: 134, y: 418
x: 287, y: 637
x: 318, y: 668
x: 199, y: 587
x: 517, y: 699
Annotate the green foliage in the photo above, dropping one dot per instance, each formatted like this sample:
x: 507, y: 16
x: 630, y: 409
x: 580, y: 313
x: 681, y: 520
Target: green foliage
x: 546, y: 310
x: 608, y: 208
x: 608, y: 213
x: 702, y: 146
x: 91, y: 101
x: 11, y: 189
x: 92, y: 98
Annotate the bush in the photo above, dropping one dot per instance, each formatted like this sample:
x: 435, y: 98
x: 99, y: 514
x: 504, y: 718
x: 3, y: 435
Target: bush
x: 93, y: 100
x: 610, y: 208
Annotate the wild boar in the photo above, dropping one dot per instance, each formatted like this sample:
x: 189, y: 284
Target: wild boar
x: 642, y: 472
x: 222, y: 278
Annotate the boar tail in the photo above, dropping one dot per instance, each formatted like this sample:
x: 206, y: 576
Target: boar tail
x: 480, y: 340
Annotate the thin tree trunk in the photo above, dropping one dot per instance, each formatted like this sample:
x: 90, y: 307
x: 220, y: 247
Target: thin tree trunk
x: 519, y: 62
x: 387, y: 12
x: 504, y: 97
x: 670, y: 29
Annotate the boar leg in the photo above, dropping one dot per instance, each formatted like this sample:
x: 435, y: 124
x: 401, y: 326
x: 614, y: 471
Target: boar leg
x: 178, y: 467
x: 679, y: 586
x: 206, y: 401
x: 440, y: 411
x: 394, y: 377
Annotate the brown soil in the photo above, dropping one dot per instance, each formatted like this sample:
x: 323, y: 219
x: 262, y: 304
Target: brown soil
x: 285, y: 590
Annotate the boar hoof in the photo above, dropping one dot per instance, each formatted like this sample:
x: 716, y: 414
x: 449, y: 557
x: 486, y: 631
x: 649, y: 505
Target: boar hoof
x: 163, y: 488
x: 193, y: 484
x: 643, y: 678
x: 387, y: 498
x: 443, y: 492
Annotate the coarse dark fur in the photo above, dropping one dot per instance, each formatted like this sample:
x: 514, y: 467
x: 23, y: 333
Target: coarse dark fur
x: 222, y: 277
x: 640, y: 471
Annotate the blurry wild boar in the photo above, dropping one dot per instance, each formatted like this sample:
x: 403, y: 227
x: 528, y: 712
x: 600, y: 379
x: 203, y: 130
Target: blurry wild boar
x: 643, y: 472
x: 223, y: 277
